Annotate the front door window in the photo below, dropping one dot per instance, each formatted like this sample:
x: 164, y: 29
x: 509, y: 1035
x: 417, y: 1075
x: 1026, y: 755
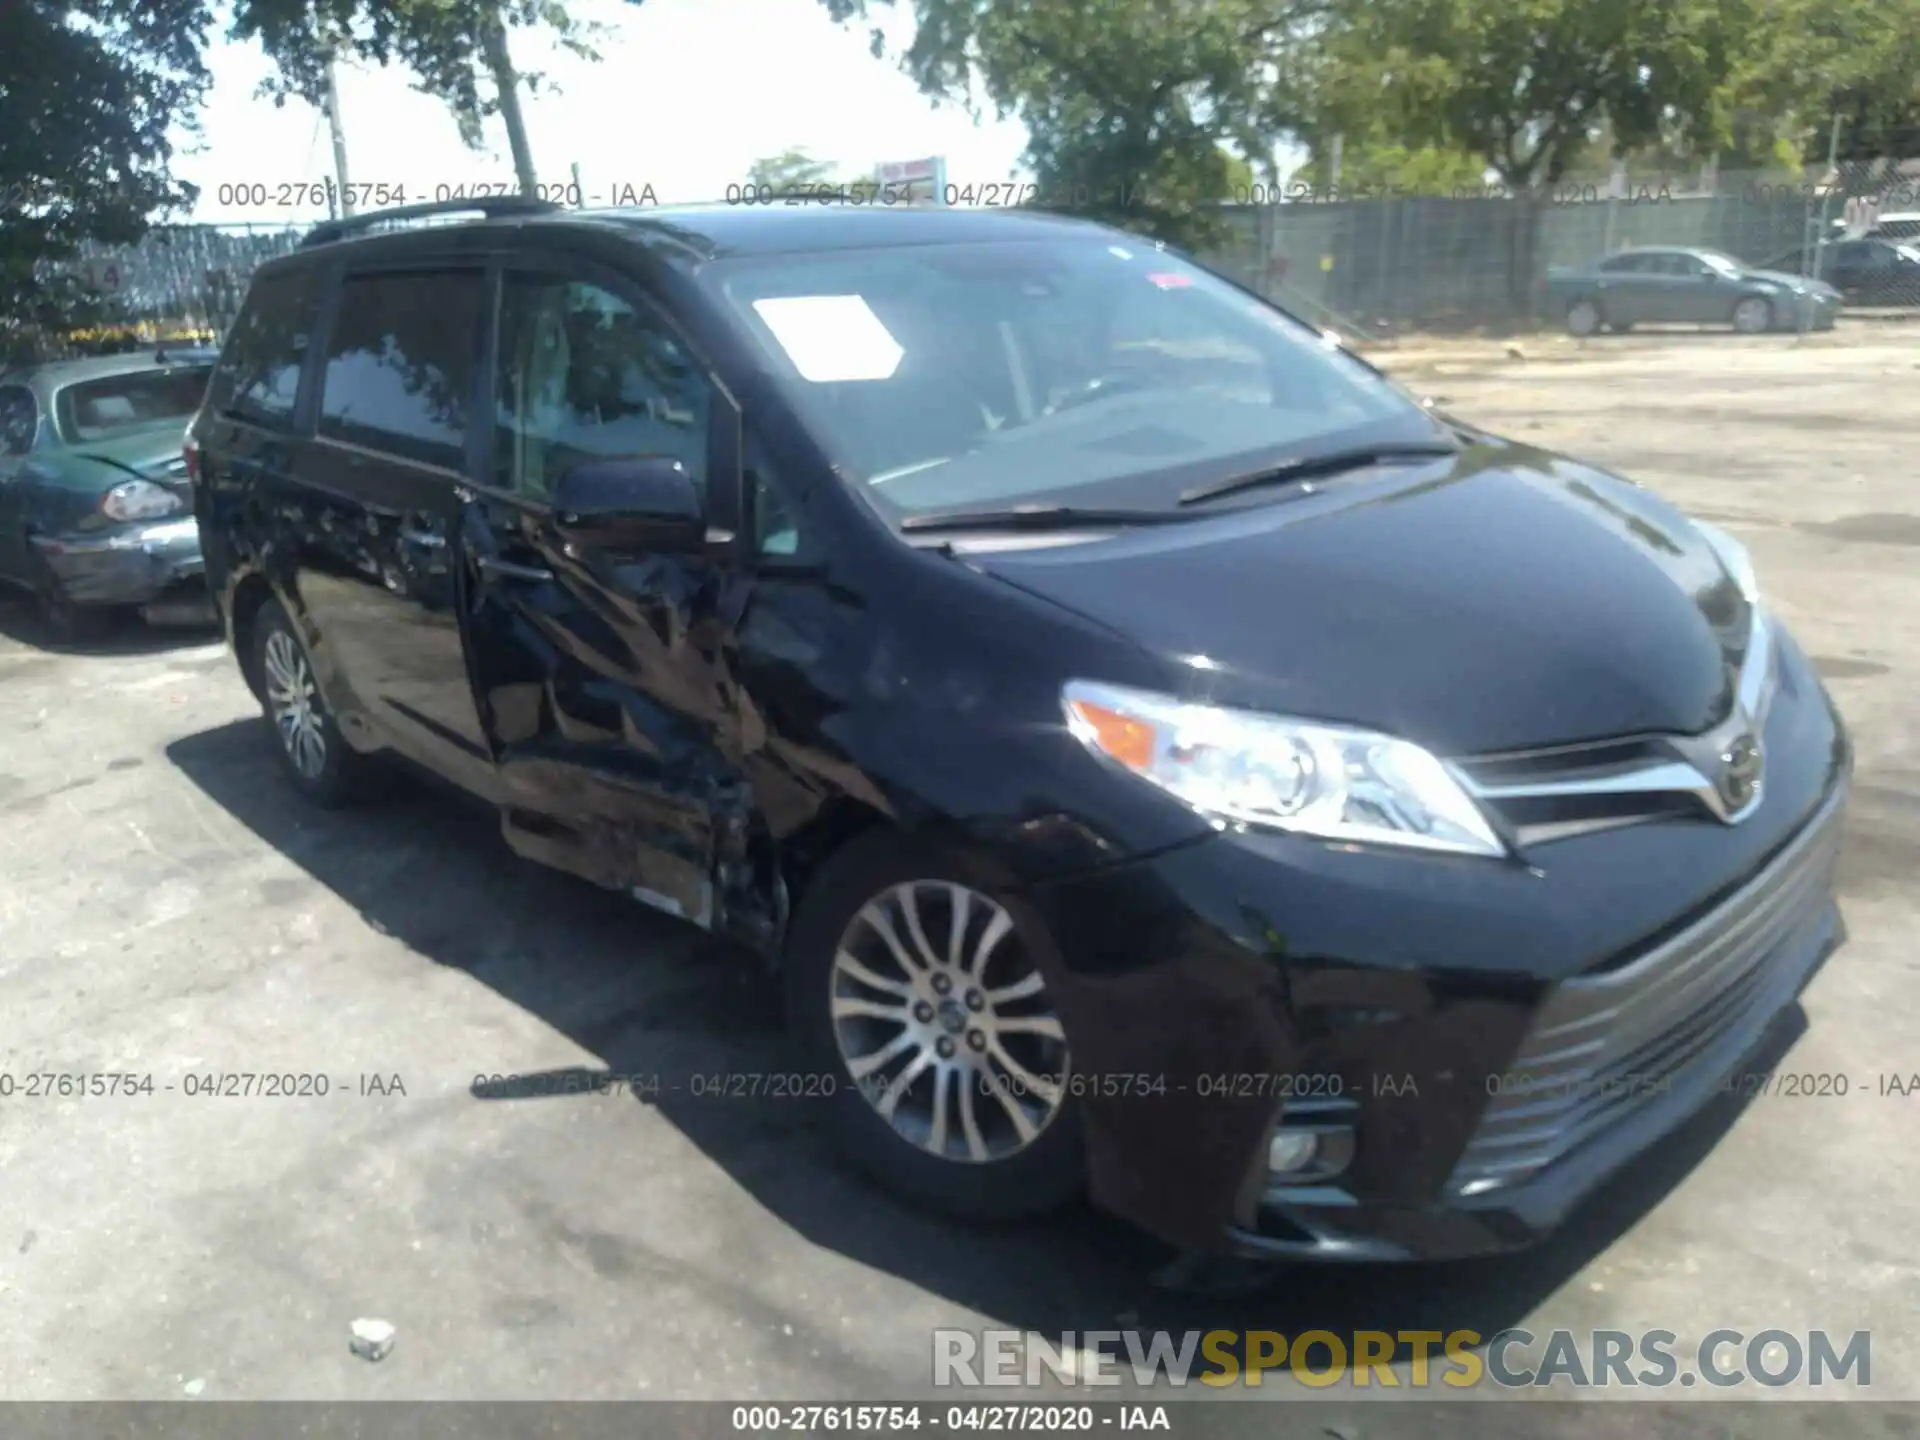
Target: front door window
x: 584, y: 375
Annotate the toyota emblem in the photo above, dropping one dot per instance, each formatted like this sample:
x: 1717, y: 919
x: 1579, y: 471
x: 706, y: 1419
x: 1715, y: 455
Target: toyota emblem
x: 1741, y: 764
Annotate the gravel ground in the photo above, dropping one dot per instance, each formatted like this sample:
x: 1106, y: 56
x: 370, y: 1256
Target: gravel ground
x: 166, y: 906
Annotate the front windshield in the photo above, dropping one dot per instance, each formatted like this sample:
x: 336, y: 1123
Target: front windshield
x: 94, y: 410
x: 1725, y: 264
x: 1077, y: 371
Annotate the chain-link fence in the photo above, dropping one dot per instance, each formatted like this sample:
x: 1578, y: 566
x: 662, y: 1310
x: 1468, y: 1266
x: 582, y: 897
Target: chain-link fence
x: 1385, y: 263
x: 180, y: 283
x: 1372, y: 263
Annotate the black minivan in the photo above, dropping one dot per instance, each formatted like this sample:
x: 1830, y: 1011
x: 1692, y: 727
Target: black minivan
x: 1163, y: 760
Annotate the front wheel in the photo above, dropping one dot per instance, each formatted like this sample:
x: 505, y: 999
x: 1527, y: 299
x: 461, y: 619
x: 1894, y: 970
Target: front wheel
x: 1583, y: 318
x: 915, y: 994
x: 1752, y: 316
x: 306, y: 738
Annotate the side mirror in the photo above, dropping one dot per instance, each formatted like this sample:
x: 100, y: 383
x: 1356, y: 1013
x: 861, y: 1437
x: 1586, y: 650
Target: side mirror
x: 631, y: 502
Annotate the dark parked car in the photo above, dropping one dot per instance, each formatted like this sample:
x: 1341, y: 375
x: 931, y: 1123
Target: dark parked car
x: 96, y: 511
x: 1872, y: 271
x: 1160, y: 756
x: 1690, y: 287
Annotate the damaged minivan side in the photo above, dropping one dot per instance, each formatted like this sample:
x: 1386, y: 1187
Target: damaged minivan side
x: 1161, y: 759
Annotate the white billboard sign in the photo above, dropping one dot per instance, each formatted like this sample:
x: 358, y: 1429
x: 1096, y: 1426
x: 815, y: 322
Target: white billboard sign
x: 924, y: 179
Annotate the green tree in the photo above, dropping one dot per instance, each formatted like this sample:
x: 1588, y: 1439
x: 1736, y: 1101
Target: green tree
x: 457, y: 50
x: 1526, y: 85
x: 1373, y: 165
x: 1138, y: 112
x: 89, y: 91
x: 790, y: 169
x: 1811, y: 60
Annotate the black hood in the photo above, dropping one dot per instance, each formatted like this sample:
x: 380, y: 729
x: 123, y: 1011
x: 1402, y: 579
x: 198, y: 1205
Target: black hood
x: 1510, y: 600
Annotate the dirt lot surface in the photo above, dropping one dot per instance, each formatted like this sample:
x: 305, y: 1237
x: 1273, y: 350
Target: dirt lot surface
x: 168, y: 907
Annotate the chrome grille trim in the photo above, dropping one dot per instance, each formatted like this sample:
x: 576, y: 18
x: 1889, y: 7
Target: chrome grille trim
x: 1611, y: 1041
x: 1647, y: 765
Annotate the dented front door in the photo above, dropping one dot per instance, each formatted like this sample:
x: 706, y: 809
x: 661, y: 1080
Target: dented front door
x: 599, y: 681
x: 600, y: 676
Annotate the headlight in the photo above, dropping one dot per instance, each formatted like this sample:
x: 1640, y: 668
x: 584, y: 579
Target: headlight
x: 1759, y: 671
x: 1296, y: 775
x: 139, y: 500
x: 1733, y: 559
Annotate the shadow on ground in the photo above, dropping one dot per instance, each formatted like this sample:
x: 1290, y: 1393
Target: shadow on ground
x: 649, y: 996
x: 110, y: 632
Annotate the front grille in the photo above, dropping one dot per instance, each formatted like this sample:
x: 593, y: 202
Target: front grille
x: 1616, y: 1039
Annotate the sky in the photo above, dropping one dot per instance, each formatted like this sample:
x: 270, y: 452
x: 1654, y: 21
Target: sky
x: 686, y: 96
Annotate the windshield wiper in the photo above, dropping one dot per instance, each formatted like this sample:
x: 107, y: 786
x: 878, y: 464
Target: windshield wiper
x: 1288, y: 471
x: 1036, y: 517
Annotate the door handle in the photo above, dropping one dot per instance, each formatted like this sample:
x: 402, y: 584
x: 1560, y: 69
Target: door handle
x: 507, y: 570
x: 425, y: 539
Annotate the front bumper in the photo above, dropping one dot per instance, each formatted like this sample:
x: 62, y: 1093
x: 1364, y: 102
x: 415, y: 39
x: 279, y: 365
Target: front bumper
x: 1674, y: 1028
x: 1813, y: 312
x: 1497, y: 1039
x: 137, y: 564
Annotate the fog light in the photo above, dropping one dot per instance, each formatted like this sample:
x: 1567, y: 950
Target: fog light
x: 1291, y: 1150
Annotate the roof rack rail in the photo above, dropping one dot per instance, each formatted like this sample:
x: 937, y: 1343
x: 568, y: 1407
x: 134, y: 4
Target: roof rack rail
x: 488, y: 206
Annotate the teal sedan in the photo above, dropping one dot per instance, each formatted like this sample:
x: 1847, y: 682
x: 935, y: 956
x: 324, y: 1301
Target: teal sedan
x: 96, y: 506
x: 1656, y: 285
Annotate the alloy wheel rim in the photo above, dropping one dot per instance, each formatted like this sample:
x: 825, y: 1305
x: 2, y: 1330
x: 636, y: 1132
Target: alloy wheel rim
x: 294, y: 701
x: 952, y: 1040
x: 1750, y: 315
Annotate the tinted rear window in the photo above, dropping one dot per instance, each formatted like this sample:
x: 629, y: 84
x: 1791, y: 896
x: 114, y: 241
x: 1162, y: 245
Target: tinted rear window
x: 259, y: 371
x: 400, y: 365
x: 93, y: 410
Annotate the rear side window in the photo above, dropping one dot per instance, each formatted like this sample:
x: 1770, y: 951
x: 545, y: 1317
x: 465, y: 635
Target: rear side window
x: 104, y: 409
x: 400, y: 365
x: 259, y: 371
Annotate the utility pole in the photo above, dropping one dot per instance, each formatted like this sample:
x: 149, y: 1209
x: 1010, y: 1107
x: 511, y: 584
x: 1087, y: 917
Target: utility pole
x: 506, y: 84
x: 331, y: 103
x: 1817, y: 255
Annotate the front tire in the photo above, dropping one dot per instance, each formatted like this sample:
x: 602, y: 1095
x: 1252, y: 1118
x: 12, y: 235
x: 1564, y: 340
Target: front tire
x: 306, y: 739
x: 1753, y: 316
x: 913, y: 991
